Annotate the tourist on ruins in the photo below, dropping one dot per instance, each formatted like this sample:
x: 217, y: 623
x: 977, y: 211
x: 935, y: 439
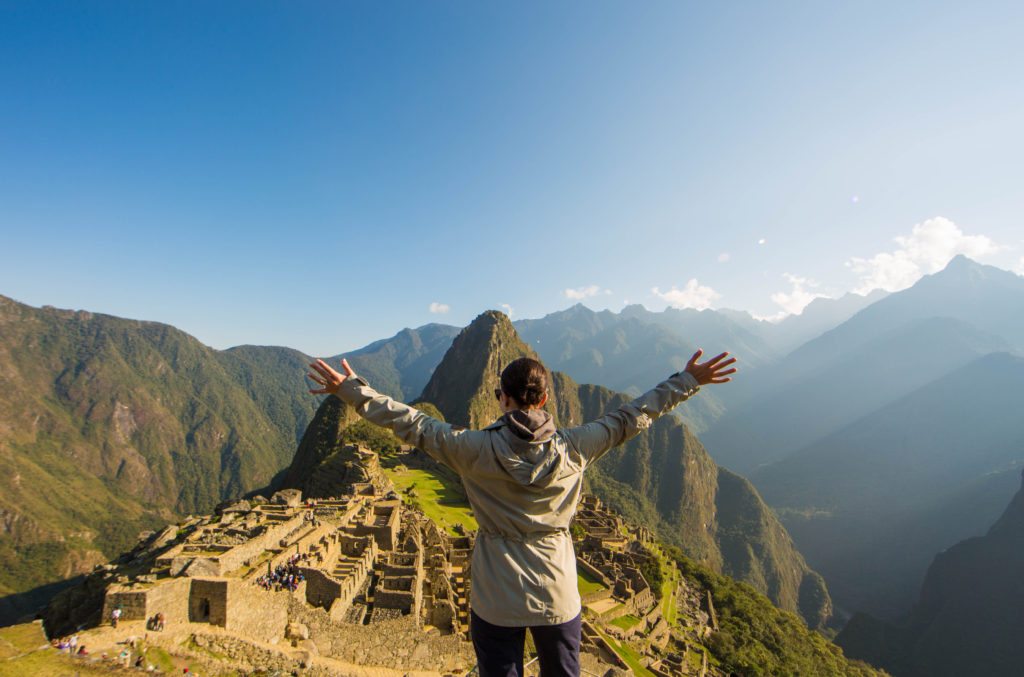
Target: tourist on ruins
x: 115, y: 616
x: 523, y: 477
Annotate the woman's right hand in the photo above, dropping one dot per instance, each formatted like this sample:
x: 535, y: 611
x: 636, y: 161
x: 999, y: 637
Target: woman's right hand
x: 712, y: 371
x: 328, y: 378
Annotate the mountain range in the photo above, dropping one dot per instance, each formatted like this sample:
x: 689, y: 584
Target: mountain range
x: 879, y: 428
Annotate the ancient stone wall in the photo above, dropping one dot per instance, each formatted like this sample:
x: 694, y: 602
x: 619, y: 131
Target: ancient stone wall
x: 398, y: 644
x: 321, y: 590
x: 169, y: 598
x: 208, y: 602
x: 256, y: 613
x: 131, y: 602
x: 268, y: 540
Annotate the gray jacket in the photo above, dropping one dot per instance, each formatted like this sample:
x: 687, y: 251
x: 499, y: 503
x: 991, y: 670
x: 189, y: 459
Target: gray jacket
x: 523, y: 478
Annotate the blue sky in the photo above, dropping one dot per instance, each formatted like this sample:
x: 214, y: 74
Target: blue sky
x: 322, y: 174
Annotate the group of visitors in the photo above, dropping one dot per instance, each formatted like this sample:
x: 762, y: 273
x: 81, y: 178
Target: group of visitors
x: 71, y: 645
x: 285, y: 576
x: 132, y: 654
x: 155, y: 622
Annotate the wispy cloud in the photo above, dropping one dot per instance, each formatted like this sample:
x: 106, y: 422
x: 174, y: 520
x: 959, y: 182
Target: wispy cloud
x: 580, y: 293
x: 796, y: 299
x: 1020, y: 267
x: 692, y: 295
x: 929, y: 247
x: 508, y: 309
x: 724, y: 257
x: 439, y: 308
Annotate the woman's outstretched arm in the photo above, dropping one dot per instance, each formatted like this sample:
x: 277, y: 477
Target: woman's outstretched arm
x: 453, y: 447
x: 596, y: 438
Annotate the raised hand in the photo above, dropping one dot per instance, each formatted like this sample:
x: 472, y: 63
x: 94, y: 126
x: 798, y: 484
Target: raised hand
x: 712, y: 371
x: 328, y: 378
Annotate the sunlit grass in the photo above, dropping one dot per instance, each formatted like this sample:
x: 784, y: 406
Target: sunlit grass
x: 432, y: 493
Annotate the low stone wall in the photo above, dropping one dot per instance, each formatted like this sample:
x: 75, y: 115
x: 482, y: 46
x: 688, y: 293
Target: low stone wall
x: 398, y: 644
x: 596, y: 596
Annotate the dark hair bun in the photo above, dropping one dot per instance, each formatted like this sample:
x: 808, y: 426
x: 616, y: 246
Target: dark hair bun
x: 526, y: 381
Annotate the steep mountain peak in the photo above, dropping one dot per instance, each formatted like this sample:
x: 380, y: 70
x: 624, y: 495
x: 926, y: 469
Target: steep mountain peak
x: 963, y: 270
x: 462, y: 386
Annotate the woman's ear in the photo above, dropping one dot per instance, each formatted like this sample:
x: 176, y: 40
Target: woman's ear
x: 543, y: 400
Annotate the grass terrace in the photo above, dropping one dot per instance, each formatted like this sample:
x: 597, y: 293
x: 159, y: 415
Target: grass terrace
x: 587, y: 583
x: 434, y: 494
x: 626, y: 621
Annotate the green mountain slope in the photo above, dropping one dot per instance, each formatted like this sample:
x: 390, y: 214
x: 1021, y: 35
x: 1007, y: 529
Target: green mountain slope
x: 112, y: 426
x: 401, y: 365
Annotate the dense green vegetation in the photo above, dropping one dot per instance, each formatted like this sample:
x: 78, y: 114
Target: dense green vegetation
x: 756, y: 638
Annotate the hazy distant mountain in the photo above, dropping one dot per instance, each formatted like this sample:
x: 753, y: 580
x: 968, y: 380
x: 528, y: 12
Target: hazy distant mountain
x: 794, y: 413
x: 883, y: 352
x: 869, y: 504
x: 402, y: 364
x: 968, y: 620
x: 990, y: 299
x: 663, y: 477
x: 820, y: 315
x: 632, y: 350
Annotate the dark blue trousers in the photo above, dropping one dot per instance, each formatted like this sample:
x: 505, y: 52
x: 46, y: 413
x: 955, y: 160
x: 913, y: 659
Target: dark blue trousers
x: 499, y: 650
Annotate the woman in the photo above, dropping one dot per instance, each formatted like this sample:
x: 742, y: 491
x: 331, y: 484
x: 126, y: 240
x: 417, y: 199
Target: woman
x: 523, y: 478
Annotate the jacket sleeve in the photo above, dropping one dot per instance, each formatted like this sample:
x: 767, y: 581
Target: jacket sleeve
x: 456, y: 448
x: 593, y: 440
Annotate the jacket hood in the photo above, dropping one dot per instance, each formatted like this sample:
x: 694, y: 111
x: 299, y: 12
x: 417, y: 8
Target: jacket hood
x: 530, y: 458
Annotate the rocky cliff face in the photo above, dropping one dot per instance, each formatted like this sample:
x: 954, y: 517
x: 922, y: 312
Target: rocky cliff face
x: 968, y: 620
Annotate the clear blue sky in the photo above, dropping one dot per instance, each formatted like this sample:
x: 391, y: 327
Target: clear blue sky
x: 317, y: 174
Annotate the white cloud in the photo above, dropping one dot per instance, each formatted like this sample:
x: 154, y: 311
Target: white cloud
x: 1020, y: 267
x: 796, y: 299
x: 724, y: 257
x: 508, y: 309
x: 693, y: 295
x: 927, y: 249
x: 439, y: 308
x: 580, y: 293
x: 762, y: 241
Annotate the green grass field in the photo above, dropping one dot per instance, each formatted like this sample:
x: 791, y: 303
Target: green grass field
x: 588, y: 583
x: 626, y: 621
x: 630, y: 655
x: 432, y: 493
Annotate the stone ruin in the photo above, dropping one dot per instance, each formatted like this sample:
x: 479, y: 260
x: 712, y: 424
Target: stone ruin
x: 374, y: 582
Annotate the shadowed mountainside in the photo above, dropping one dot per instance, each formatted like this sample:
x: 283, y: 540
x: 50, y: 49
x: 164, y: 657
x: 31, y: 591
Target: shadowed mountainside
x: 968, y: 619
